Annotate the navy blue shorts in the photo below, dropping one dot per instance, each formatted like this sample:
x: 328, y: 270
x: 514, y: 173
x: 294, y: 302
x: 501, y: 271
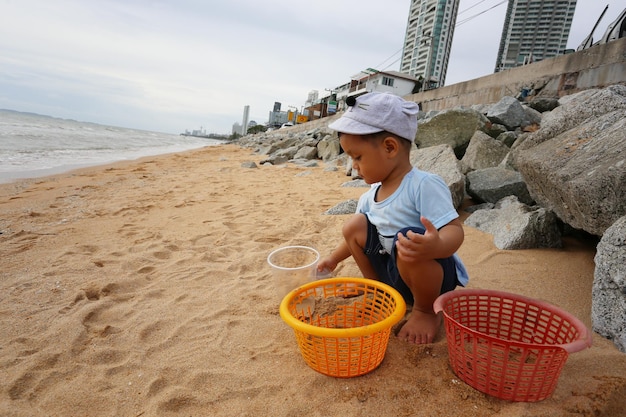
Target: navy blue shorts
x: 387, y: 270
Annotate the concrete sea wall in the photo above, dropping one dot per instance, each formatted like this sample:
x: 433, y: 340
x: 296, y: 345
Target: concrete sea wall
x: 596, y: 67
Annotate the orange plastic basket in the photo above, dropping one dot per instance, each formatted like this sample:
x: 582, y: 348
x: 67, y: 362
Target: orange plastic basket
x: 342, y: 325
x: 507, y: 345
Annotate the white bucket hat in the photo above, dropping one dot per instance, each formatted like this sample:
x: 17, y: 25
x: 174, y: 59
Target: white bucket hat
x: 378, y: 112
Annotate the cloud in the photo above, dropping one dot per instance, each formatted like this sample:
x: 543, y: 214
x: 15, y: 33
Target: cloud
x: 176, y: 65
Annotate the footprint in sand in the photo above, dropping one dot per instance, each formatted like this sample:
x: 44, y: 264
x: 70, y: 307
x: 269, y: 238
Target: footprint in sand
x: 154, y: 333
x: 157, y: 386
x: 30, y: 382
x: 177, y: 403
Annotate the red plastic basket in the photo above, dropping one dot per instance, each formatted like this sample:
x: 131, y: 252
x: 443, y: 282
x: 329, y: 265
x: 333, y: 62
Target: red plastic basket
x: 507, y: 345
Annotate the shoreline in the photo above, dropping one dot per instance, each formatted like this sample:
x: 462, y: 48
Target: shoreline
x: 34, y: 174
x: 142, y: 288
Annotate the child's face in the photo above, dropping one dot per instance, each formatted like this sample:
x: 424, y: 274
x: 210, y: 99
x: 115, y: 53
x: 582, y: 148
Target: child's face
x: 369, y: 157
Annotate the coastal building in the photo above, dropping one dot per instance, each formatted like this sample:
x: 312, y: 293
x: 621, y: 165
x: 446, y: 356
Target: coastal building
x: 372, y: 80
x: 428, y: 40
x: 312, y: 98
x: 366, y: 81
x: 277, y: 117
x: 533, y: 31
x: 244, y: 123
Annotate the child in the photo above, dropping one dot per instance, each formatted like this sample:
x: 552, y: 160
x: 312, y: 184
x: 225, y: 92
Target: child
x: 406, y: 230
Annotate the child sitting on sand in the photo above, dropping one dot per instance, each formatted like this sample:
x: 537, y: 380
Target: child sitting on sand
x: 406, y: 230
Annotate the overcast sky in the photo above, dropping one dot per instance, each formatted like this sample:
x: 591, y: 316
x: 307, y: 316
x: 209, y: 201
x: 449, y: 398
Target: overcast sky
x: 172, y: 65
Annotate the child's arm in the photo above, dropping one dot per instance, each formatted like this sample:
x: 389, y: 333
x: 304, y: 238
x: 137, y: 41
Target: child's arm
x: 433, y: 244
x: 339, y: 254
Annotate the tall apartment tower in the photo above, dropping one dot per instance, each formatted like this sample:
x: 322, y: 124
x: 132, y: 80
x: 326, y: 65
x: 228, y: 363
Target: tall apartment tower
x: 534, y: 30
x: 428, y: 39
x: 246, y: 116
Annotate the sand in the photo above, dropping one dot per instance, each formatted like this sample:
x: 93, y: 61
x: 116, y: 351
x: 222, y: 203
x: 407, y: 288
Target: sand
x: 141, y: 288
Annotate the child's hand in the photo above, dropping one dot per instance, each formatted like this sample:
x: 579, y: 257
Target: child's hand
x: 326, y: 265
x: 417, y: 247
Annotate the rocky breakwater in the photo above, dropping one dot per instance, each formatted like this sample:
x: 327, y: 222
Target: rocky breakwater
x: 533, y: 172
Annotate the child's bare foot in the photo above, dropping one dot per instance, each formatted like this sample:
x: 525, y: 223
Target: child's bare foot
x: 420, y: 328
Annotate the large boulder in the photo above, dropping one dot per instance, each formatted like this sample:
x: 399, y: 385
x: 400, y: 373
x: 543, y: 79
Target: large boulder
x: 442, y: 161
x: 577, y: 109
x: 543, y: 104
x: 306, y: 152
x: 508, y: 138
x: 490, y: 185
x: 483, y: 152
x: 532, y: 118
x: 451, y: 127
x: 608, y: 306
x: 580, y: 174
x: 508, y: 112
x: 328, y: 148
x: 515, y: 225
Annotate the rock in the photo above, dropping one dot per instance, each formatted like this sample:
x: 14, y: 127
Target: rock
x: 508, y: 138
x: 532, y: 117
x: 275, y: 160
x: 581, y: 173
x: 508, y: 112
x: 482, y: 206
x: 345, y: 207
x: 249, y: 164
x: 491, y: 185
x: 280, y: 146
x: 517, y: 226
x: 578, y: 109
x: 543, y: 104
x: 306, y: 152
x: 608, y: 302
x: 483, y: 152
x: 355, y: 183
x: 306, y: 163
x: 441, y: 160
x: 452, y: 127
x: 288, y: 153
x: 328, y: 148
x: 494, y: 129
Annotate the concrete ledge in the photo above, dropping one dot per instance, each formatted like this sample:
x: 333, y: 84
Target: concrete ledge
x: 596, y: 67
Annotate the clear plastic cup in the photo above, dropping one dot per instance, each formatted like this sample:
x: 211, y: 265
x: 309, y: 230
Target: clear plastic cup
x: 324, y: 273
x: 293, y: 266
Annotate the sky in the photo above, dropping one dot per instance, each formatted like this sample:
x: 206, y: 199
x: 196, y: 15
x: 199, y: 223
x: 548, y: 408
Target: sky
x: 176, y: 65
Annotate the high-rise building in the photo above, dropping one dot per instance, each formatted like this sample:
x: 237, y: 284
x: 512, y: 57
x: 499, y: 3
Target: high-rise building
x: 244, y: 124
x: 428, y: 40
x: 534, y: 30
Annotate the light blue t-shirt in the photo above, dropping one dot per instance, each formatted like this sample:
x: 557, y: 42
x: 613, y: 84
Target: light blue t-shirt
x: 419, y: 194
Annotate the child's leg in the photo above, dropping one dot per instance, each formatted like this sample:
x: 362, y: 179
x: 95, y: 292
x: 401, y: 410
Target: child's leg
x: 424, y: 280
x: 355, y: 233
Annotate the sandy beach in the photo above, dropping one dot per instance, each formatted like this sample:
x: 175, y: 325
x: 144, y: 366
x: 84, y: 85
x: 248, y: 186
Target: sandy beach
x: 141, y: 288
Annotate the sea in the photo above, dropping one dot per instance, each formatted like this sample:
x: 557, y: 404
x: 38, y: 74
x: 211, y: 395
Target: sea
x: 33, y: 145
